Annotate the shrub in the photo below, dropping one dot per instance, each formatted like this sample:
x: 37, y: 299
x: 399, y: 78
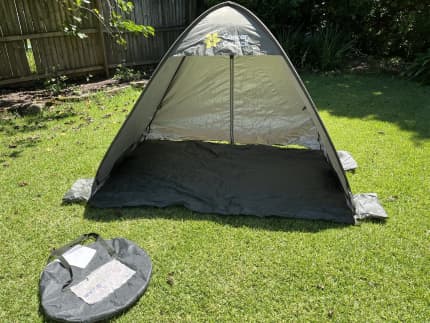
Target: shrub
x: 380, y: 28
x: 293, y: 41
x: 56, y: 84
x: 419, y: 70
x: 329, y: 48
x: 324, y: 50
x: 125, y: 74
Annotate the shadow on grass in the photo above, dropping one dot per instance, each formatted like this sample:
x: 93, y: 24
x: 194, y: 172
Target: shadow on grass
x: 14, y: 128
x: 178, y: 213
x: 404, y: 103
x: 17, y: 147
x: 12, y: 125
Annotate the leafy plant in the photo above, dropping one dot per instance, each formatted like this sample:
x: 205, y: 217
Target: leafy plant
x: 56, y: 84
x: 419, y: 70
x: 89, y: 77
x: 113, y: 19
x: 380, y: 28
x: 324, y: 49
x: 328, y: 48
x: 293, y: 41
x: 126, y: 74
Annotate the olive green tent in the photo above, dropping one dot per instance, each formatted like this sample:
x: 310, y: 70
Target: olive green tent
x: 226, y: 126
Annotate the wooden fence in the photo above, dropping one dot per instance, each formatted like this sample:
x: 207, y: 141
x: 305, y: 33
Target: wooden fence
x: 33, y: 43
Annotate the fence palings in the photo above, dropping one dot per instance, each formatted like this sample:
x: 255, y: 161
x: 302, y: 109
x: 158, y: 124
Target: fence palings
x: 37, y: 27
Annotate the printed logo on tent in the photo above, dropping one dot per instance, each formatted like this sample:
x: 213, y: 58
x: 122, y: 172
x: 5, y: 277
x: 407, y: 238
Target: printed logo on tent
x: 238, y: 40
x: 212, y: 40
x: 224, y: 38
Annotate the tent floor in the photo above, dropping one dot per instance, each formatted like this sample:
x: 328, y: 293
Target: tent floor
x: 227, y: 179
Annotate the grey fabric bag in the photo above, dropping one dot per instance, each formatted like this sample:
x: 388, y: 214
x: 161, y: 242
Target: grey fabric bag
x: 93, y: 282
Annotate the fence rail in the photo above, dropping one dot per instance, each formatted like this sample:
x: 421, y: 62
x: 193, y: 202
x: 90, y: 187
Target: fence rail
x: 33, y: 43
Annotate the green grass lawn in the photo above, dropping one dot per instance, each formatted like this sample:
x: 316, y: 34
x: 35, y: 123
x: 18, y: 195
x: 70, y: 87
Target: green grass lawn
x: 230, y: 268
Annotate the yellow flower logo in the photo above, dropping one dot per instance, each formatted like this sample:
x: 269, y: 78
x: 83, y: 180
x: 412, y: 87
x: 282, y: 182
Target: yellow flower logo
x: 212, y: 40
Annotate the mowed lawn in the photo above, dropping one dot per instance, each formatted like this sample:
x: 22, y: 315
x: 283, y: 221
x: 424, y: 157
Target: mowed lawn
x: 234, y: 268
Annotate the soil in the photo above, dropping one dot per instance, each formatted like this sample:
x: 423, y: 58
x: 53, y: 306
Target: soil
x: 24, y: 101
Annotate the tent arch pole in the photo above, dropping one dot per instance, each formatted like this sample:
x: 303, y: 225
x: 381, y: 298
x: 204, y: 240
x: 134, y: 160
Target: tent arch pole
x: 232, y: 99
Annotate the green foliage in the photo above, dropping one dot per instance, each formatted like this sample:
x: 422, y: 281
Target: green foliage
x: 126, y: 74
x: 115, y: 18
x: 294, y: 43
x: 395, y: 28
x: 56, y: 84
x: 381, y: 28
x: 328, y: 48
x: 419, y: 70
x: 325, y: 49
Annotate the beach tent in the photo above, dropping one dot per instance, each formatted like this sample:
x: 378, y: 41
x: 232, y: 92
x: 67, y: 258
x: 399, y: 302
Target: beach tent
x: 226, y: 126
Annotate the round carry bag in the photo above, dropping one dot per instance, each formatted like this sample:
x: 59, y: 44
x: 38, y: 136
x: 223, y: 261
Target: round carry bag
x: 88, y: 283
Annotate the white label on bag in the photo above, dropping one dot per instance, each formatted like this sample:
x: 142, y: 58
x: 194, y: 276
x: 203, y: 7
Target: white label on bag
x: 79, y: 256
x: 102, y: 282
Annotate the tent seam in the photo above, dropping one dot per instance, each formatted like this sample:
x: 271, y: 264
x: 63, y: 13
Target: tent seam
x: 169, y: 87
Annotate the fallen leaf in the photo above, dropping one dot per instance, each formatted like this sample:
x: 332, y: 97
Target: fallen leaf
x: 170, y: 279
x: 392, y: 198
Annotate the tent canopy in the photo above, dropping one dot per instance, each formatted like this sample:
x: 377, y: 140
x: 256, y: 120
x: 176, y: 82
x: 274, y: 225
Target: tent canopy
x: 221, y: 99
